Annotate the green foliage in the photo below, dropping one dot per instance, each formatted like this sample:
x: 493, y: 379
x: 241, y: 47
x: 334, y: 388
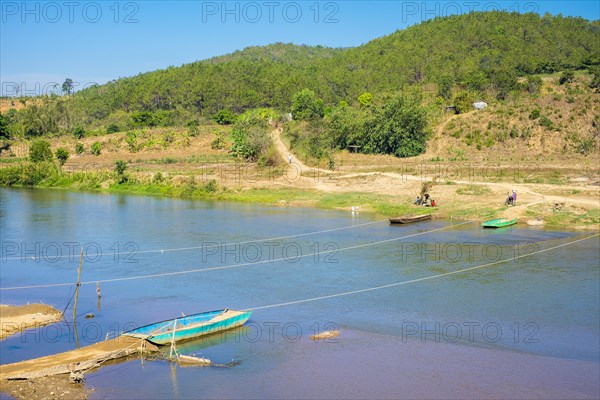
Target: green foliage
x: 534, y: 84
x: 345, y: 124
x: 306, y: 106
x: 211, y: 186
x: 120, y: 167
x: 28, y: 174
x: 463, y: 101
x: 113, y: 128
x: 79, y: 149
x: 131, y: 141
x: 158, y: 177
x: 444, y: 84
x: 96, y: 148
x: 4, y: 134
x: 503, y: 81
x: 140, y: 119
x: 67, y: 86
x: 192, y: 126
x: 250, y: 139
x: 225, y: 117
x: 546, y: 122
x: 78, y: 132
x: 595, y: 83
x: 566, y: 77
x: 365, y: 99
x: 62, y: 155
x: 398, y: 128
x: 475, y: 80
x: 39, y: 151
x: 534, y: 114
x: 219, y: 142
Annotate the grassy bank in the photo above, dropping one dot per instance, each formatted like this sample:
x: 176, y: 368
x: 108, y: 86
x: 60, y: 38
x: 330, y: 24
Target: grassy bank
x: 462, y: 207
x: 49, y: 175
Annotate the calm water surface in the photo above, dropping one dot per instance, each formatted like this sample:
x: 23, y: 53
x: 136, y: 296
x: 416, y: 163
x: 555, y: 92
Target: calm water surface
x: 546, y: 304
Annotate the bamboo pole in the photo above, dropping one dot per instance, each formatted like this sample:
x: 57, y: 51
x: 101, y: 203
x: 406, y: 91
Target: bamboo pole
x: 173, y: 340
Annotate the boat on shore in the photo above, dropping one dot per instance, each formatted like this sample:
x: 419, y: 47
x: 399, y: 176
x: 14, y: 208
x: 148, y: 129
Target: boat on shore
x: 499, y: 223
x: 407, y: 219
x: 190, y: 326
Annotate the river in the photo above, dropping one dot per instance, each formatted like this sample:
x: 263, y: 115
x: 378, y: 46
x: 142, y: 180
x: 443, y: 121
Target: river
x: 413, y: 324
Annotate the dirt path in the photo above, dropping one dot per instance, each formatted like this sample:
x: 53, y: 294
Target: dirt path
x: 284, y: 152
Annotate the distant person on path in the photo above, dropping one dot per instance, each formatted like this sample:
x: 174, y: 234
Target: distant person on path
x: 289, y: 158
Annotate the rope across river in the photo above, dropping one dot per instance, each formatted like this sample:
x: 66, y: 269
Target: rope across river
x: 231, y: 266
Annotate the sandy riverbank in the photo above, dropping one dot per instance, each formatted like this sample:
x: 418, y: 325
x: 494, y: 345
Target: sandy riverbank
x: 14, y: 319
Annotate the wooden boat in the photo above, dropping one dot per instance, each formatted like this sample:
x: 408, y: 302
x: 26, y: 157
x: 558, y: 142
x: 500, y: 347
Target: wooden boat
x: 190, y: 326
x: 185, y: 360
x: 407, y: 219
x: 499, y: 223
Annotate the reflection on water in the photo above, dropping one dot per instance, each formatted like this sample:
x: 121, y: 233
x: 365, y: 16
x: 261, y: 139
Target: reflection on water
x: 544, y: 304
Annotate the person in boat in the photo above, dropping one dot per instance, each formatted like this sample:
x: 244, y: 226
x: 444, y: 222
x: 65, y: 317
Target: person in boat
x: 418, y: 201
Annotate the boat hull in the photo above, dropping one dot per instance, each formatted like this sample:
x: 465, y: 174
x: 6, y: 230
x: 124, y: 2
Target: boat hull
x: 410, y: 219
x: 190, y: 327
x: 499, y: 223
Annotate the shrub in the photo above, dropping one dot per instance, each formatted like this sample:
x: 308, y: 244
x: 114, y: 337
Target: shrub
x: 534, y: 83
x: 211, y: 186
x: 78, y: 132
x: 566, y: 77
x: 306, y: 105
x: 219, y: 142
x: 546, y: 122
x: 120, y: 167
x: 40, y: 151
x: 79, y: 149
x: 96, y: 148
x: 62, y: 155
x: 158, y: 177
x: 463, y: 102
x: 535, y: 113
x: 224, y: 117
x: 113, y: 128
x: 131, y: 141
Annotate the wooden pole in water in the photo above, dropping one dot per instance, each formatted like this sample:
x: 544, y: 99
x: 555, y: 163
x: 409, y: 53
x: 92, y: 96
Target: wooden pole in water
x: 173, y: 340
x: 77, y: 296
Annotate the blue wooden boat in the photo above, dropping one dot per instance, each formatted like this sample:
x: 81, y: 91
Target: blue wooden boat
x: 190, y: 326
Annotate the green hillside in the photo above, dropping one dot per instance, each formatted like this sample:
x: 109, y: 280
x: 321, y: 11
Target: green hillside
x: 475, y: 51
x: 450, y: 60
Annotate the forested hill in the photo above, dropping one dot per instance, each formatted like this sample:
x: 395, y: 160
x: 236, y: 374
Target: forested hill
x: 477, y: 52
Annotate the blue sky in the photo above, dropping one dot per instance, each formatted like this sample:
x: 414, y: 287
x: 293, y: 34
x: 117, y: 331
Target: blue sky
x: 44, y: 42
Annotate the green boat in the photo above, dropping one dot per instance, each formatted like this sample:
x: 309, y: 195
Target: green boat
x: 190, y: 326
x: 499, y: 223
